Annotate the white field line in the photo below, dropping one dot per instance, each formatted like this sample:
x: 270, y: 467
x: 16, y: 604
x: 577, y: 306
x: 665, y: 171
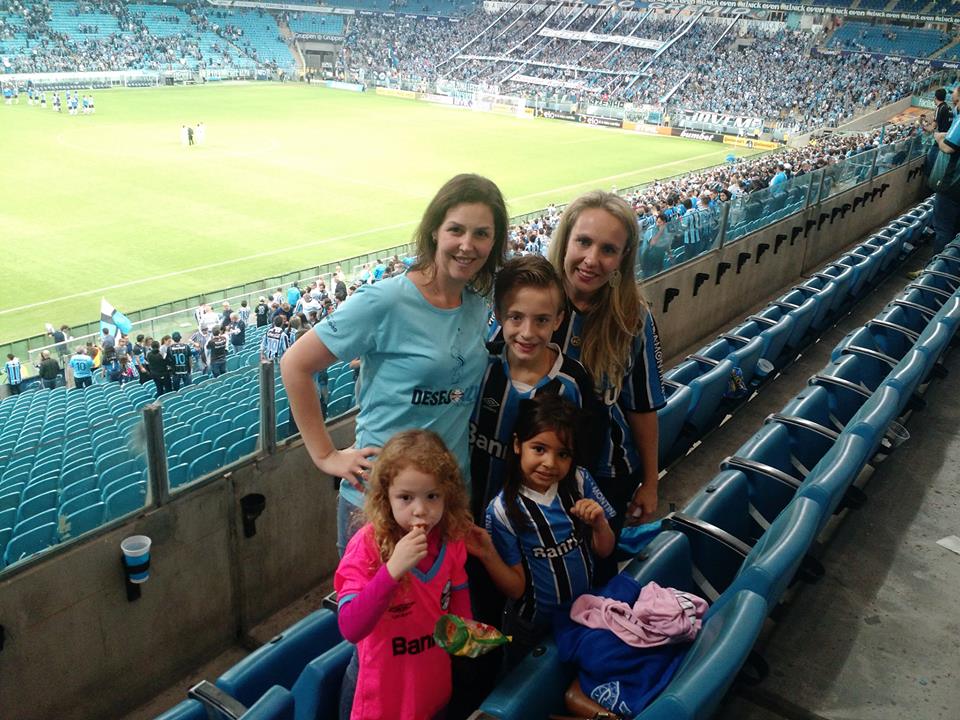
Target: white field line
x: 327, y: 241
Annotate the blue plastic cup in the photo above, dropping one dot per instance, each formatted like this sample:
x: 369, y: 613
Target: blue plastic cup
x: 136, y: 556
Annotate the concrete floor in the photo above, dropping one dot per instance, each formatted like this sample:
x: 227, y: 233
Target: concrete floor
x: 862, y: 644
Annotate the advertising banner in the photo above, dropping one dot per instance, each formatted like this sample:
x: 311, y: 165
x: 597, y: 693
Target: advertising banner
x: 600, y: 121
x: 696, y: 135
x: 556, y: 115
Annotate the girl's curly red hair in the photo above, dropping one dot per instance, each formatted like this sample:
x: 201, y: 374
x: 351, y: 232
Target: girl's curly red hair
x: 424, y: 451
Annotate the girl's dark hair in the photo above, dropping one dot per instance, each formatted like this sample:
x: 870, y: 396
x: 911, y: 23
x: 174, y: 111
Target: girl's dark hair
x: 542, y: 413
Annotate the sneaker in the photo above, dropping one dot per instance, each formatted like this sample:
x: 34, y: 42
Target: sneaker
x: 915, y: 274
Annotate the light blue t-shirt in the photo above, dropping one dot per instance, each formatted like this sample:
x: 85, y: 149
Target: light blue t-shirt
x: 420, y: 367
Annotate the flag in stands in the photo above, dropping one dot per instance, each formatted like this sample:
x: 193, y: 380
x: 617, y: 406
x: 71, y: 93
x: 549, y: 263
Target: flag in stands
x: 113, y: 320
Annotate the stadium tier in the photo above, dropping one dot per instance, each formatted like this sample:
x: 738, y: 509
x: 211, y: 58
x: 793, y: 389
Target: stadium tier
x: 888, y: 39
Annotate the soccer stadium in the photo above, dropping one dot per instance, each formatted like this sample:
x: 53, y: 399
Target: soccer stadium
x: 413, y: 359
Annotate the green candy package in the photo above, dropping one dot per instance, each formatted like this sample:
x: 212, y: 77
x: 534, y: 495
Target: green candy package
x: 467, y: 638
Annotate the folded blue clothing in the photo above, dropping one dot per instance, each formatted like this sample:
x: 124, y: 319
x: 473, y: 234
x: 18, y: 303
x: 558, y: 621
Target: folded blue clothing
x: 622, y: 678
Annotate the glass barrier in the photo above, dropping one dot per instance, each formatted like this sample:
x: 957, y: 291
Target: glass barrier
x: 164, y: 318
x: 666, y: 244
x: 749, y: 213
x: 892, y: 155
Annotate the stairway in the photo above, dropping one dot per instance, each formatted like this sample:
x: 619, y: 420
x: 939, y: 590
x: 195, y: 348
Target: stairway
x: 287, y: 34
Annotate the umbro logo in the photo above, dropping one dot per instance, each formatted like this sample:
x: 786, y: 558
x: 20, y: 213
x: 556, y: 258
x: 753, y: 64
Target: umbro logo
x: 491, y: 404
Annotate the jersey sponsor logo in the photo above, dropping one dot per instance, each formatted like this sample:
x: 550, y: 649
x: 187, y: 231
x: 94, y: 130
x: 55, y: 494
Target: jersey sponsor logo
x: 488, y: 445
x: 453, y: 396
x: 558, y: 550
x: 412, y: 646
x: 491, y: 404
x: 400, y: 610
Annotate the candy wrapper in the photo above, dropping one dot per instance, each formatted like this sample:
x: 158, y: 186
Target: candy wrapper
x: 467, y: 638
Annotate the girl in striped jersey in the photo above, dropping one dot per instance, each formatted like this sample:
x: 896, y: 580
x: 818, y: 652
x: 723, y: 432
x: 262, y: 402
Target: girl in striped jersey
x: 546, y: 525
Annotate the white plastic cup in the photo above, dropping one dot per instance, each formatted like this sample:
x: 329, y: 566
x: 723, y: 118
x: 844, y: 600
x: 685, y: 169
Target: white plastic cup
x: 136, y: 556
x: 897, y: 434
x: 764, y: 367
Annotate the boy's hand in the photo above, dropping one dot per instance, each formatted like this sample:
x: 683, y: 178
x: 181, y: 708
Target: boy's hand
x: 479, y: 543
x: 589, y: 511
x: 411, y: 549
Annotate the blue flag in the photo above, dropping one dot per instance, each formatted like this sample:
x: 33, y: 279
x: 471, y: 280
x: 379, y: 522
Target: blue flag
x: 113, y: 320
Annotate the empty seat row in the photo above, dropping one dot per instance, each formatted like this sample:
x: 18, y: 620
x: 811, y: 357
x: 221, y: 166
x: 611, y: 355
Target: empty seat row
x: 706, y: 385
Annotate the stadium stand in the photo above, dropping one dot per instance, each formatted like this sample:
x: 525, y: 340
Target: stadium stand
x: 889, y: 39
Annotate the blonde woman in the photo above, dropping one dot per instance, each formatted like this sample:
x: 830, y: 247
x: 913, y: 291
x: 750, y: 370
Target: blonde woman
x: 610, y: 330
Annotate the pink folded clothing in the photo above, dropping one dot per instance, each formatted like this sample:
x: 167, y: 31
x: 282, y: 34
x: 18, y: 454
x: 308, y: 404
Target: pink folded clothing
x: 660, y: 616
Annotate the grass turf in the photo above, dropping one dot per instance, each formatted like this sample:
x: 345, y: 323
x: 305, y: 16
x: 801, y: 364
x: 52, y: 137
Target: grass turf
x: 290, y: 176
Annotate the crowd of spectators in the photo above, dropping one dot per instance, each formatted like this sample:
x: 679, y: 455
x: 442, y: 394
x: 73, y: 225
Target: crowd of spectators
x: 131, y: 46
x: 661, y: 204
x: 706, y: 66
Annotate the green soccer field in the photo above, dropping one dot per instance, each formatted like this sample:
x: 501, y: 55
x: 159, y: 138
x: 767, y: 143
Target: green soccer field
x: 290, y: 176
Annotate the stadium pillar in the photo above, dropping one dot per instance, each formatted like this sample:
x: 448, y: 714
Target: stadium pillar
x: 722, y: 232
x: 156, y: 454
x: 873, y: 163
x: 268, y: 409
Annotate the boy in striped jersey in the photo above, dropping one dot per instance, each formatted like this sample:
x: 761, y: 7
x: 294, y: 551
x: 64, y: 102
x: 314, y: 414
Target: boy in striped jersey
x: 528, y: 305
x: 14, y: 374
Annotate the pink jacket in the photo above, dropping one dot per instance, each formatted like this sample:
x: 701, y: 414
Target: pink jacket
x: 660, y: 616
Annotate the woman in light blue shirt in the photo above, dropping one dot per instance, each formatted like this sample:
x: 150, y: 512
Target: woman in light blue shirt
x: 419, y: 337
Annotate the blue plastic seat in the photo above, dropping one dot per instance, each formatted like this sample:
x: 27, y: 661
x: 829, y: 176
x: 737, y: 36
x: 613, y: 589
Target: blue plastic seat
x: 241, y: 448
x: 38, y: 487
x: 340, y: 407
x: 33, y: 521
x: 83, y: 521
x: 670, y: 419
x: 111, y: 459
x: 125, y: 500
x: 281, y: 660
x: 45, y: 467
x: 276, y: 704
x: 714, y: 659
x: 229, y: 438
x: 708, y: 384
x: 80, y: 500
x: 245, y: 419
x: 206, y: 463
x: 742, y: 352
x: 773, y: 333
x: 800, y: 308
x: 186, y: 710
x: 183, y: 444
x: 853, y: 374
x: 843, y: 276
x: 533, y: 689
x: 316, y: 692
x: 178, y: 474
x: 864, y: 267
x: 128, y: 470
x: 824, y: 293
x: 37, y: 539
x: 828, y: 482
x: 37, y: 504
x: 193, y: 452
x: 214, y: 431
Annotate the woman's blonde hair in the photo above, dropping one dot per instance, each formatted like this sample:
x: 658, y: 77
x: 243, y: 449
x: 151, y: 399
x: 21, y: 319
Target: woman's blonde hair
x: 461, y: 189
x: 617, y: 310
x: 421, y: 450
